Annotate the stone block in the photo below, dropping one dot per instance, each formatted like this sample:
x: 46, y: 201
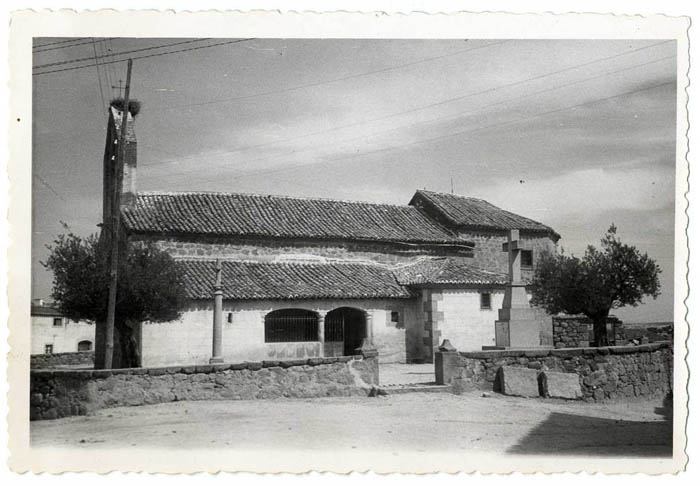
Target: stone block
x: 560, y: 385
x: 516, y: 381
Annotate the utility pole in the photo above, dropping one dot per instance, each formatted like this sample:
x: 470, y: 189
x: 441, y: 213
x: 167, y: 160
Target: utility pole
x: 114, y: 225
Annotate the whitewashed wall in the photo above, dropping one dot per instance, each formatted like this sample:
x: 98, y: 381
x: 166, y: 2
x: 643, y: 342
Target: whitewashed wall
x: 464, y: 322
x: 64, y: 338
x: 189, y: 340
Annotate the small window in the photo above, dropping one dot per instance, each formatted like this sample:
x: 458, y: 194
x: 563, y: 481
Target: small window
x: 396, y: 319
x: 526, y: 259
x: 291, y: 326
x: 57, y: 321
x: 229, y: 317
x: 85, y: 345
x: 48, y: 349
x: 485, y: 300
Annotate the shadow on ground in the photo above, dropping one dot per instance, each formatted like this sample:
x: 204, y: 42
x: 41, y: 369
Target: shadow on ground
x: 568, y: 434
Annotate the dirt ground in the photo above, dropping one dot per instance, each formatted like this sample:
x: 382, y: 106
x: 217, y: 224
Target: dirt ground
x: 411, y: 422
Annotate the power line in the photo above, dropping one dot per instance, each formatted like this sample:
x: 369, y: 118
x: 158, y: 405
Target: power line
x: 62, y: 46
x: 99, y: 79
x: 147, y: 56
x: 49, y: 186
x: 61, y: 42
x: 442, y: 137
x: 336, y: 80
x: 105, y: 67
x: 441, y: 118
x: 432, y: 105
x: 142, y: 49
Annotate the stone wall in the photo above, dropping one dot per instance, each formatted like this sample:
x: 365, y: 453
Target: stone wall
x: 58, y: 360
x: 55, y: 394
x: 576, y: 331
x: 268, y: 249
x: 489, y: 253
x: 608, y: 373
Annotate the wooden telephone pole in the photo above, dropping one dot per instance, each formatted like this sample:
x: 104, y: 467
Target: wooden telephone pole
x: 114, y: 225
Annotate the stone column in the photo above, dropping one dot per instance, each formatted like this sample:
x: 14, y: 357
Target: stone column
x: 218, y: 317
x: 322, y: 332
x: 369, y: 327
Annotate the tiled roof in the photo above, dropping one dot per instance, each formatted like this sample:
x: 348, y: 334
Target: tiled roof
x: 446, y: 271
x: 285, y: 217
x: 476, y: 213
x: 242, y: 280
x: 45, y: 311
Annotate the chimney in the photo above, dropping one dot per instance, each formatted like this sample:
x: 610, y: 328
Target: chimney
x: 114, y: 124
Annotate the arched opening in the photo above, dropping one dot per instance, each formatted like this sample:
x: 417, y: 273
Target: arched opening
x: 85, y: 345
x: 291, y: 326
x: 344, y: 330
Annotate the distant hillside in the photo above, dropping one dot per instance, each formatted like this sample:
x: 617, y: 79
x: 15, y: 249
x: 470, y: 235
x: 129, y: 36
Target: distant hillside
x: 649, y: 324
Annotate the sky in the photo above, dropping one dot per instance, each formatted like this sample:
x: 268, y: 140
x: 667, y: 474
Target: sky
x: 577, y: 134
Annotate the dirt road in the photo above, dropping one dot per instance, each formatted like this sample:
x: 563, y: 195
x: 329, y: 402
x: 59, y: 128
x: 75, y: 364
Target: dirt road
x: 411, y: 422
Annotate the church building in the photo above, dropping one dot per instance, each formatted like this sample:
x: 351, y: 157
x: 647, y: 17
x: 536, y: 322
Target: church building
x: 303, y: 277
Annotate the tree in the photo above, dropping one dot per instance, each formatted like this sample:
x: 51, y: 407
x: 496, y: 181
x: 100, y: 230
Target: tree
x: 608, y: 278
x: 150, y: 288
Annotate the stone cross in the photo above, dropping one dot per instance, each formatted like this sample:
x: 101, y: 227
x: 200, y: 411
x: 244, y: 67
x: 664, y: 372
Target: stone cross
x: 513, y: 248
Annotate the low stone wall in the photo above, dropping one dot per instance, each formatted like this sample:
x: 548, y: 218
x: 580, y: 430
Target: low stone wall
x: 61, y: 393
x: 609, y: 373
x: 58, y: 360
x: 576, y: 331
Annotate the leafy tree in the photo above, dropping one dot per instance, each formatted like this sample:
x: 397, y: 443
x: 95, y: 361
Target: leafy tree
x: 150, y: 288
x: 608, y: 278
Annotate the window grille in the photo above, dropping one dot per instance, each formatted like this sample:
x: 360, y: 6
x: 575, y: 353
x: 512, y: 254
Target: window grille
x: 334, y: 327
x: 48, y: 349
x: 291, y: 326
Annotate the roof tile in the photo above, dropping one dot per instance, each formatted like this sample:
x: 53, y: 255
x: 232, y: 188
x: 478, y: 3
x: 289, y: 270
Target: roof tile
x: 245, y: 280
x: 286, y: 217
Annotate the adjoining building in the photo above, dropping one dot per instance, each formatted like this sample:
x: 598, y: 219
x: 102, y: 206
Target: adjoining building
x: 53, y: 333
x: 315, y: 277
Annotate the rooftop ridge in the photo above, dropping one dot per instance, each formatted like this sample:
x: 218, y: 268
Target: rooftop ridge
x: 281, y: 262
x: 472, y: 198
x: 275, y: 196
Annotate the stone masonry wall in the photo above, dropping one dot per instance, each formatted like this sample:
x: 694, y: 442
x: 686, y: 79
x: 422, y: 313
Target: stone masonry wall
x: 271, y: 250
x: 573, y: 331
x: 608, y: 373
x: 489, y: 253
x: 55, y: 394
x: 57, y: 360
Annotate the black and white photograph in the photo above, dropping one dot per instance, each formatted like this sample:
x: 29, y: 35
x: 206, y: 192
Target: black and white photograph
x: 415, y: 247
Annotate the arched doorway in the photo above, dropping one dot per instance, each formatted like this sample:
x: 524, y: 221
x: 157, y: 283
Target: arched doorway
x: 344, y: 330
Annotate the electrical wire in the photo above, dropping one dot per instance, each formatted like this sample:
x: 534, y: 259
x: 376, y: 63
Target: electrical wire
x: 442, y: 137
x: 146, y: 56
x: 142, y: 49
x: 441, y: 118
x: 432, y: 105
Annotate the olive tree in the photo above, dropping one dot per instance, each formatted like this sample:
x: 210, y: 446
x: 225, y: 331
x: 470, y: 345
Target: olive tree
x: 613, y: 276
x: 150, y: 288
